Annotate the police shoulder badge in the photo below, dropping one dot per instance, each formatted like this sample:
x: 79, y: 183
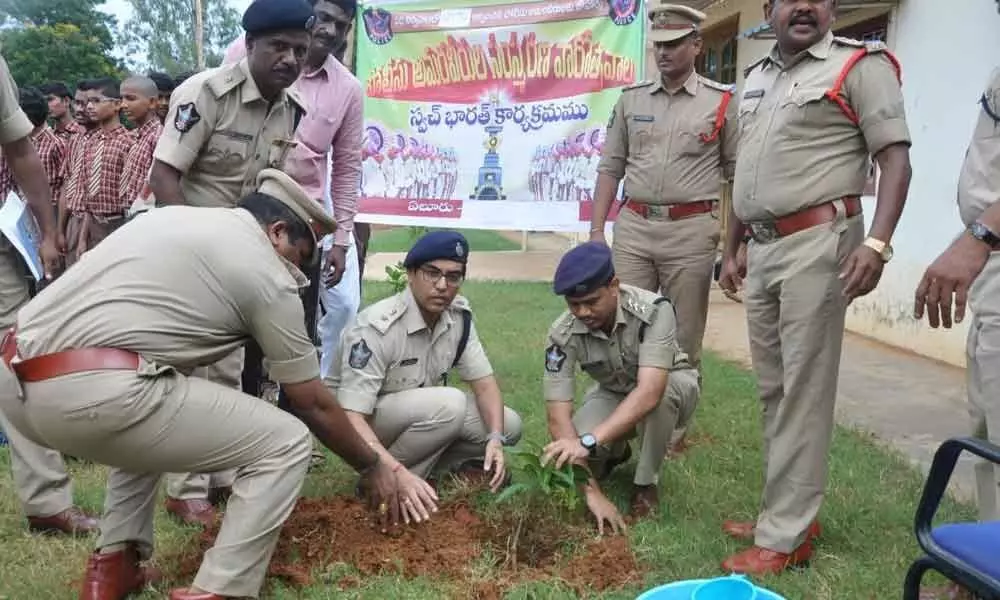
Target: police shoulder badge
x: 554, y: 358
x: 187, y: 117
x: 360, y: 355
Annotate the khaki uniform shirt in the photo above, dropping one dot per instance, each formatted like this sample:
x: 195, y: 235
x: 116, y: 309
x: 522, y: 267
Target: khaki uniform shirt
x: 613, y: 361
x: 219, y: 283
x: 979, y: 182
x: 389, y: 348
x: 220, y: 134
x: 797, y: 148
x: 14, y: 124
x: 654, y: 142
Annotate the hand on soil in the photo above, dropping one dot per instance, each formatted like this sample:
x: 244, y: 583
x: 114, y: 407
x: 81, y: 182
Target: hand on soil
x: 494, y: 462
x: 417, y: 498
x: 605, y: 511
x: 383, y: 495
x: 564, y: 451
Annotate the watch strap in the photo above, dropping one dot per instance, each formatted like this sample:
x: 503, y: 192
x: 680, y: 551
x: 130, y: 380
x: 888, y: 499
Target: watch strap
x: 984, y: 234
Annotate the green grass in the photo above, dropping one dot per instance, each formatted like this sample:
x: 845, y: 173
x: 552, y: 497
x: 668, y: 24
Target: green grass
x: 866, y: 547
x: 399, y: 239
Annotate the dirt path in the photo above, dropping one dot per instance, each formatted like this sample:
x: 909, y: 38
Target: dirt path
x: 908, y: 402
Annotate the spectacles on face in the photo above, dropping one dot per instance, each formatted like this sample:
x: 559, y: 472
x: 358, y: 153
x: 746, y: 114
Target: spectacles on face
x: 433, y: 275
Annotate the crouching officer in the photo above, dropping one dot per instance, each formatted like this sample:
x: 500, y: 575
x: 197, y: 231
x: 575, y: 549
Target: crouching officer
x: 625, y: 338
x: 391, y: 376
x: 103, y: 358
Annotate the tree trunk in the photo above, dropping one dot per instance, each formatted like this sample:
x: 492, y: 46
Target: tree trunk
x: 199, y: 35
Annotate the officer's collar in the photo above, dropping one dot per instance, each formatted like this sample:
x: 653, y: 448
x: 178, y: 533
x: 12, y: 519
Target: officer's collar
x: 690, y: 84
x: 820, y: 51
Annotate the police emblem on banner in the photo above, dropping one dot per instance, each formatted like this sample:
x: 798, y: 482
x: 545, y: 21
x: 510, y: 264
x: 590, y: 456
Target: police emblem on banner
x: 623, y: 12
x: 378, y: 25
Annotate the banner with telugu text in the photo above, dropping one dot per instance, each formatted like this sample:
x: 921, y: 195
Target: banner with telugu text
x: 490, y: 116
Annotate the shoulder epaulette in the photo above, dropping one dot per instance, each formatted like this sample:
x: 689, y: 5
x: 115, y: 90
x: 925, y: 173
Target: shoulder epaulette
x: 381, y: 315
x: 461, y: 303
x: 226, y: 79
x: 872, y: 46
x: 639, y: 84
x: 754, y: 65
x: 715, y: 85
x: 562, y: 329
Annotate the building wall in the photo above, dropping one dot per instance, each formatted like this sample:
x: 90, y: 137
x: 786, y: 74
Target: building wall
x: 942, y: 83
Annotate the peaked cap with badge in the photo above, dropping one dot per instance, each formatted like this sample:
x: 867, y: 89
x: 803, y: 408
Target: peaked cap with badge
x: 671, y: 22
x: 283, y: 188
x: 264, y: 16
x: 438, y: 245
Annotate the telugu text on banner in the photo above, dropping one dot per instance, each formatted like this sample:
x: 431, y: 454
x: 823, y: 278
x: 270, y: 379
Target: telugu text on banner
x: 490, y: 115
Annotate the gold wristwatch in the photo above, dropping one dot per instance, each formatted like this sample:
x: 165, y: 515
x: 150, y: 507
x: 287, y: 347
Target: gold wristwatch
x: 883, y: 249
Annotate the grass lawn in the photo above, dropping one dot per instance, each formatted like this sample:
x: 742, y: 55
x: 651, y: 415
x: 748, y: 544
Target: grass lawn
x: 867, y: 538
x: 399, y: 239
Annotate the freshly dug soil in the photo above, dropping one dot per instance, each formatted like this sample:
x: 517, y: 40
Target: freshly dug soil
x: 339, y: 529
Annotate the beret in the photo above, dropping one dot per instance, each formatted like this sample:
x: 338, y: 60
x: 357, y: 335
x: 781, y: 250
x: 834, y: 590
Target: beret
x: 583, y: 269
x: 263, y: 16
x: 283, y: 188
x: 438, y: 245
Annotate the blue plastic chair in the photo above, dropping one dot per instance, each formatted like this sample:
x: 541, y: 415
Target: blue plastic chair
x: 966, y: 553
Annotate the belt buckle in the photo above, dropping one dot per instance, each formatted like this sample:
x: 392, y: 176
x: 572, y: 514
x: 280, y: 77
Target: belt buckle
x: 764, y: 231
x: 656, y: 210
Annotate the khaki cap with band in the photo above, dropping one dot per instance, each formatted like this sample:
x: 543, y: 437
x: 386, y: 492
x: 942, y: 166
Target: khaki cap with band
x: 280, y: 186
x: 671, y: 22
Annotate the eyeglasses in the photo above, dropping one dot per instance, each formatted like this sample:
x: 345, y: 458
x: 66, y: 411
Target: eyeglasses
x: 433, y: 275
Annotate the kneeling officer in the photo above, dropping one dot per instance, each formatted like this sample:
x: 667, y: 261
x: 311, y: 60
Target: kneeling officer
x: 625, y: 338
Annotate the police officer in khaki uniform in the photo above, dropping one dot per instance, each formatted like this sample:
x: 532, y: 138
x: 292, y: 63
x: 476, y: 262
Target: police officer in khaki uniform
x: 969, y: 270
x: 103, y: 359
x: 40, y: 478
x: 391, y: 376
x: 805, y: 147
x: 224, y: 126
x: 674, y: 141
x: 625, y: 338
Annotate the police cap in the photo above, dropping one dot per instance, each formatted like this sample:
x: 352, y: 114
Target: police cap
x: 669, y: 22
x: 283, y: 188
x: 264, y: 16
x: 583, y: 269
x: 438, y: 245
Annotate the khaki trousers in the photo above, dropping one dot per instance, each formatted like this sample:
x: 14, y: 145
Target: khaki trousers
x: 654, y: 432
x: 195, y: 486
x: 983, y: 372
x: 795, y: 318
x: 435, y: 428
x: 675, y: 259
x: 39, y: 473
x: 155, y: 420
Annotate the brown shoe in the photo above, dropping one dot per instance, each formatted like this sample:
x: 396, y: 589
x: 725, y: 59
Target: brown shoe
x: 645, y: 500
x: 744, y: 530
x: 191, y: 512
x: 116, y: 575
x: 72, y: 521
x: 761, y: 561
x: 186, y: 594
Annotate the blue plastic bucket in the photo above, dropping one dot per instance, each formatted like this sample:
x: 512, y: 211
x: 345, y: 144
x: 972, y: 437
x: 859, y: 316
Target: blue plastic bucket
x: 734, y: 587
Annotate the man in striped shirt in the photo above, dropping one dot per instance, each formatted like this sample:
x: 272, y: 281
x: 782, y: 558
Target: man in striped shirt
x: 51, y: 148
x: 140, y: 101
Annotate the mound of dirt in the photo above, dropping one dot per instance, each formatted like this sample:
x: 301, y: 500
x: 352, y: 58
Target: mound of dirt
x: 339, y: 529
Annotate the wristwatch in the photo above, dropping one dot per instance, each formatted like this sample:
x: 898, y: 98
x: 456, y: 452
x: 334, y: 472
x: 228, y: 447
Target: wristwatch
x: 589, y: 442
x: 985, y: 235
x: 883, y: 249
